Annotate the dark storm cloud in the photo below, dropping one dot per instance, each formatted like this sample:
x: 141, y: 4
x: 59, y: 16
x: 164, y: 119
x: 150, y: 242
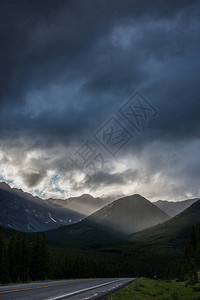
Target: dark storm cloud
x: 95, y: 181
x: 32, y: 178
x: 105, y: 179
x: 96, y: 54
x: 66, y: 66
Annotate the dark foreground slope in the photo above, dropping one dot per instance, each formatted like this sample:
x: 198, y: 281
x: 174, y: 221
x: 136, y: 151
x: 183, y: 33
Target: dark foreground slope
x: 123, y: 216
x: 145, y: 253
x: 153, y: 250
x: 175, y: 231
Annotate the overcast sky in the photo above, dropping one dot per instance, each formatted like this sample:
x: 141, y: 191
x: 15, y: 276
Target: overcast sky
x: 68, y: 69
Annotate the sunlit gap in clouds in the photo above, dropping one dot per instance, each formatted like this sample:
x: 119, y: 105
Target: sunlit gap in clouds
x: 144, y: 172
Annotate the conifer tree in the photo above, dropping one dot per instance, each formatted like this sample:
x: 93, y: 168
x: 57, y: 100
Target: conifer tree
x: 25, y: 248
x: 4, y: 269
x: 44, y: 258
x: 192, y: 272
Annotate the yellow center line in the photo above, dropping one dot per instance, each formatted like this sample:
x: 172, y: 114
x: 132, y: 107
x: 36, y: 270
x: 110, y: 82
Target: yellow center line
x: 40, y: 287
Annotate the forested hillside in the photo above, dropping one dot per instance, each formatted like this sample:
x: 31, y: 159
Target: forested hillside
x: 22, y: 260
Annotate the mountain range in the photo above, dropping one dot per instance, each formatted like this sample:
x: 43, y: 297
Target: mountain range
x: 173, y: 208
x: 131, y: 230
x: 126, y: 215
x: 84, y: 204
x: 24, y: 212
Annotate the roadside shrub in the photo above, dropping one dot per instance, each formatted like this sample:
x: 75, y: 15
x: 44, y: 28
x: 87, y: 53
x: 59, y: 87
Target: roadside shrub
x: 196, y: 288
x: 174, y: 296
x: 160, y: 293
x: 197, y: 297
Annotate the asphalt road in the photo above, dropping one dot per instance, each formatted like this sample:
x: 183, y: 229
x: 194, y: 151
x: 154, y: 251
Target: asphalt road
x: 79, y: 289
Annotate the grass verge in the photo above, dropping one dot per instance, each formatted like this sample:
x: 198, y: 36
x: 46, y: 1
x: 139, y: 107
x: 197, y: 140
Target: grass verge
x: 146, y: 289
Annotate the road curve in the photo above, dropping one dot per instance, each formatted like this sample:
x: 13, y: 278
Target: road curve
x: 78, y: 289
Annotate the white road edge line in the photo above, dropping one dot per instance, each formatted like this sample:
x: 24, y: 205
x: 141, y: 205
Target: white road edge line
x: 83, y: 290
